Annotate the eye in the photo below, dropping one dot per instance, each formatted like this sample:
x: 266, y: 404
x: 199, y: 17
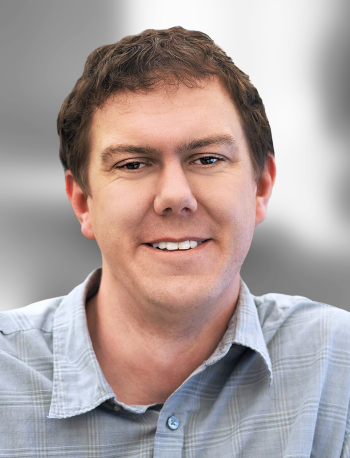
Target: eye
x: 207, y: 160
x: 134, y: 165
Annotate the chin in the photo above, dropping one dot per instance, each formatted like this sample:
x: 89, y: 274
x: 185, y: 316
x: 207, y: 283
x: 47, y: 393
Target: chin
x: 178, y: 294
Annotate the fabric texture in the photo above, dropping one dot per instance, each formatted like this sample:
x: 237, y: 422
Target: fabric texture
x: 277, y: 385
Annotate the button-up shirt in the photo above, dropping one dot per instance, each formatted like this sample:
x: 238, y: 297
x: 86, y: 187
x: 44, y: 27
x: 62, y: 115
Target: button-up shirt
x: 277, y: 385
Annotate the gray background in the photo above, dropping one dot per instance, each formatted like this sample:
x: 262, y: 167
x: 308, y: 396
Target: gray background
x: 297, y: 54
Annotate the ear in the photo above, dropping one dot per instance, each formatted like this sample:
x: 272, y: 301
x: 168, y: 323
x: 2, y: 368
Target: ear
x: 264, y: 189
x: 79, y: 202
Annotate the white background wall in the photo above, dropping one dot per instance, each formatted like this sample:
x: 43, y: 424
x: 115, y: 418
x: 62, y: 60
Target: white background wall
x: 296, y: 53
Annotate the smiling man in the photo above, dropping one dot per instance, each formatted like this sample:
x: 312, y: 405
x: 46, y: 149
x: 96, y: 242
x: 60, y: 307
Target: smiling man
x: 164, y: 352
x: 173, y: 204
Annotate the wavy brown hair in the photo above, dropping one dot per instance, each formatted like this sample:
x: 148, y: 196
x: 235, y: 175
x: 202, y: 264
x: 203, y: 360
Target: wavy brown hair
x: 140, y: 62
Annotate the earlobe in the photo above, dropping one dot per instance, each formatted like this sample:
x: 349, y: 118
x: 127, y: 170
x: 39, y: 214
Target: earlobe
x: 79, y: 202
x: 264, y: 189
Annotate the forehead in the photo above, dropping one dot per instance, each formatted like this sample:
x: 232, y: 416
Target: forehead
x: 166, y: 115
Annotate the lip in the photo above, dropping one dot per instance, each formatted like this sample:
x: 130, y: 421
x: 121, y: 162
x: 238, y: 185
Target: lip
x: 177, y: 240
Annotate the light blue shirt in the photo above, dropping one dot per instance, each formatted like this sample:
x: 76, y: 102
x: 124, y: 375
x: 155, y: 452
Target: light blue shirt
x: 278, y: 385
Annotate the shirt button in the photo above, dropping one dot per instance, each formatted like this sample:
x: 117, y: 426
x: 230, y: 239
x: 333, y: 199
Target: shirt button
x: 173, y: 422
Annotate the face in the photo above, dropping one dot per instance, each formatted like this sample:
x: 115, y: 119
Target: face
x: 171, y: 168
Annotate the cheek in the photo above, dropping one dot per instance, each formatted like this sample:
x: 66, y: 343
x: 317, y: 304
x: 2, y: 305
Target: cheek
x: 116, y: 215
x: 231, y: 206
x: 230, y: 201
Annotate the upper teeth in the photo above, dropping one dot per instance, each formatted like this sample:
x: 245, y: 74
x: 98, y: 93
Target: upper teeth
x: 186, y: 245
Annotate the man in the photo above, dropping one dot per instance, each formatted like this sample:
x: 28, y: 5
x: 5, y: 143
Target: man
x: 164, y: 352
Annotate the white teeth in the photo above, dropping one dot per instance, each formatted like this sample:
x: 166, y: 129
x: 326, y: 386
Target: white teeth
x: 185, y: 245
x: 171, y: 246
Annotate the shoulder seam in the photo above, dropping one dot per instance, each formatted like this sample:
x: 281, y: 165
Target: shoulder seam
x: 25, y: 330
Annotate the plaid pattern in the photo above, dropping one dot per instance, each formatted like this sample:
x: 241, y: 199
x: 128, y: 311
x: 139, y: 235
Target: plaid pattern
x: 278, y: 385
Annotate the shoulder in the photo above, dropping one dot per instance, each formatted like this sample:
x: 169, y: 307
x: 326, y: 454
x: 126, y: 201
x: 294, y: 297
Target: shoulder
x: 308, y: 344
x: 34, y: 316
x: 298, y: 316
x: 27, y: 331
x: 26, y: 357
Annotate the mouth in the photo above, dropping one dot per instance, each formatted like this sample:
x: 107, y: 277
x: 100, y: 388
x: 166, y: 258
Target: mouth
x: 184, y: 245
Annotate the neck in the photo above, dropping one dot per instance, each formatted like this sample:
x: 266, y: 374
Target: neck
x: 157, y: 348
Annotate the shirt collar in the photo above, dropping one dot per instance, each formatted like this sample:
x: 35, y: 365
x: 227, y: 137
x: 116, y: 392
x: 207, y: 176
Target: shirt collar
x: 244, y: 329
x: 78, y: 382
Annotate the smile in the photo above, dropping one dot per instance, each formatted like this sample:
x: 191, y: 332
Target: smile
x: 175, y: 246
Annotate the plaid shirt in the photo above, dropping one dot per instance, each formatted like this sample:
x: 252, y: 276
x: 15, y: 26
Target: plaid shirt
x: 278, y: 385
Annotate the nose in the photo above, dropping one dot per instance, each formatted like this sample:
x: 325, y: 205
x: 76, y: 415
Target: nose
x: 173, y: 192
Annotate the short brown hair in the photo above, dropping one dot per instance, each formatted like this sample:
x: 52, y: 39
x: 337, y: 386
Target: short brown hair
x: 140, y: 62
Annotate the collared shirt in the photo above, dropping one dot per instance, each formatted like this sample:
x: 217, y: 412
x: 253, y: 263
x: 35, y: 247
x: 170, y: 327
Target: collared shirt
x: 277, y: 385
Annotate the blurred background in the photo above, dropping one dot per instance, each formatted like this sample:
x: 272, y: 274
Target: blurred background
x: 297, y: 53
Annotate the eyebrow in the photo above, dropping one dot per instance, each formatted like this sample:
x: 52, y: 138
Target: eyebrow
x: 112, y: 151
x: 208, y: 141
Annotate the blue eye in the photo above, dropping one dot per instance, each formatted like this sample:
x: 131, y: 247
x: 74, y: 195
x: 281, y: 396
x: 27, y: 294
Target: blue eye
x: 132, y: 165
x: 207, y: 160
